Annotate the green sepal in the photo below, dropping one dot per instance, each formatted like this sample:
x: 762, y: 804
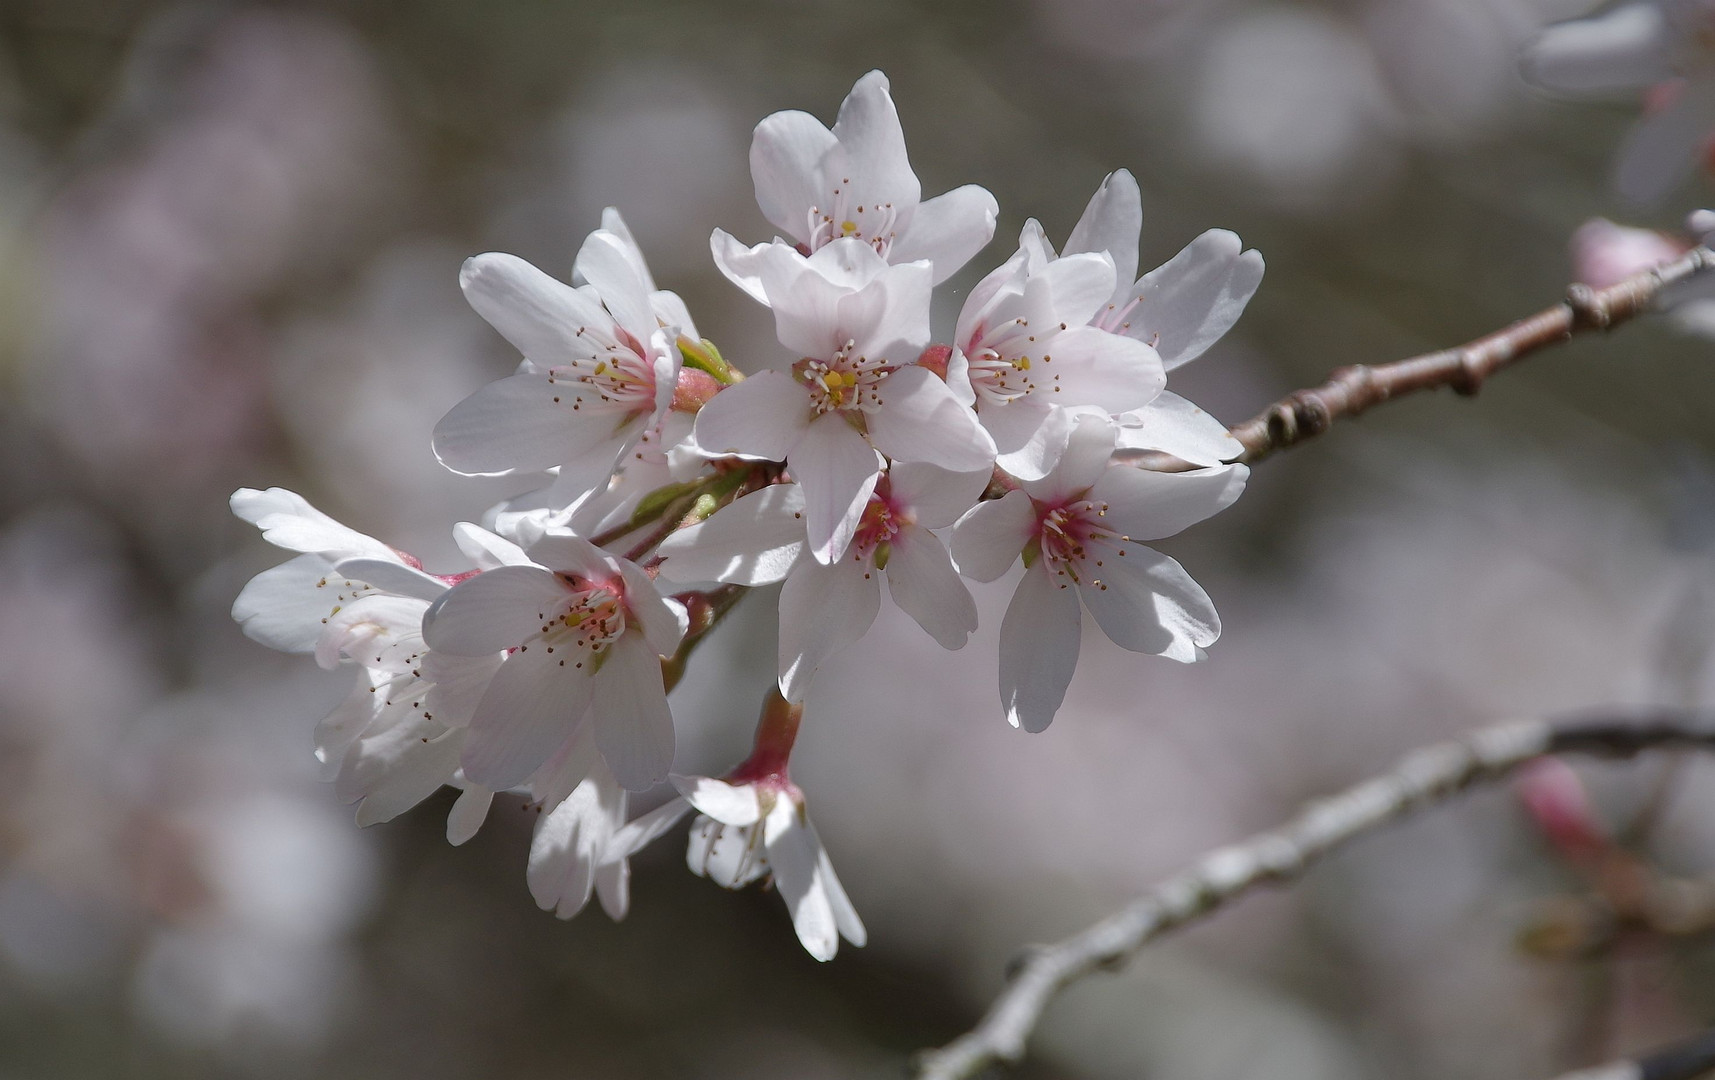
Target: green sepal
x: 1032, y: 551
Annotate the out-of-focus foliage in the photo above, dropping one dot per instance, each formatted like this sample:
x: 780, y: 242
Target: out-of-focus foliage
x: 231, y: 236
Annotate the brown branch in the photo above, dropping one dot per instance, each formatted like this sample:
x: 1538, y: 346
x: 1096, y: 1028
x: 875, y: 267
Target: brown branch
x: 1353, y: 390
x: 1682, y: 1061
x: 1421, y: 779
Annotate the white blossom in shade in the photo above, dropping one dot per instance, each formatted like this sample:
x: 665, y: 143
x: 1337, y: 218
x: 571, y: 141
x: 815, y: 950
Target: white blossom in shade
x: 600, y: 365
x: 584, y: 633
x: 760, y: 539
x: 1181, y: 308
x: 352, y: 599
x: 1080, y: 531
x: 1025, y: 355
x: 858, y: 326
x: 854, y: 182
x: 1663, y: 46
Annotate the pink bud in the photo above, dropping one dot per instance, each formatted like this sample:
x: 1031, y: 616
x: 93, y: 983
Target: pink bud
x: 1604, y: 253
x: 935, y: 358
x: 1557, y: 803
x: 694, y: 389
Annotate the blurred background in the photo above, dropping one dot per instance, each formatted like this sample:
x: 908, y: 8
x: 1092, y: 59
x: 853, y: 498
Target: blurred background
x: 230, y: 236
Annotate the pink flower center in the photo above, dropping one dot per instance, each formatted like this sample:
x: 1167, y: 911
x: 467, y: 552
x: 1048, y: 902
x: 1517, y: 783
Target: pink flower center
x: 593, y: 616
x: 880, y: 523
x: 1008, y: 361
x: 622, y: 374
x: 1076, y: 541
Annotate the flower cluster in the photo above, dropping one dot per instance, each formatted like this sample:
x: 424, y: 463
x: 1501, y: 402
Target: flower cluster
x: 865, y: 450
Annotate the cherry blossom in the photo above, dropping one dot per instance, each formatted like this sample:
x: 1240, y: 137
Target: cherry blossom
x: 1080, y: 530
x: 857, y: 325
x: 584, y: 632
x: 600, y: 364
x: 824, y: 609
x: 1662, y: 46
x: 854, y: 182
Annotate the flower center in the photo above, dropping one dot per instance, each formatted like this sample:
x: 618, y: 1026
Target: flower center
x: 1001, y: 362
x: 593, y: 616
x: 843, y: 381
x: 873, y: 223
x: 879, y: 525
x: 1077, y: 543
x: 621, y: 374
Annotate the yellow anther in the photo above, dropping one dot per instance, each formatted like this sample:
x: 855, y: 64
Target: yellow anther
x: 848, y: 227
x: 1022, y: 363
x: 601, y: 367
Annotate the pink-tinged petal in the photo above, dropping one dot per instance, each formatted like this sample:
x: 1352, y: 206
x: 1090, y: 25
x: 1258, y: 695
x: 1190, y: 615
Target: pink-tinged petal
x: 1089, y: 366
x: 1038, y: 648
x: 742, y: 265
x: 987, y: 541
x: 1084, y: 461
x: 287, y: 520
x: 837, y: 469
x: 469, y: 811
x: 1187, y: 303
x: 794, y: 855
x: 283, y: 608
x: 539, y: 315
x: 531, y: 420
x: 823, y: 611
x: 922, y: 581
x: 786, y: 162
x: 933, y: 496
x: 392, y: 576
x: 1148, y: 505
x: 730, y: 804
x: 948, y: 230
x: 1179, y: 427
x: 868, y: 131
x: 1076, y: 287
x: 1628, y: 47
x: 760, y: 419
x: 604, y: 262
x: 753, y: 541
x: 662, y: 619
x: 919, y: 419
x: 1112, y: 222
x: 1003, y: 282
x: 1030, y: 434
x: 633, y: 725
x: 645, y: 829
x: 1664, y: 146
x: 485, y: 549
x: 532, y: 706
x: 395, y: 769
x: 495, y: 610
x: 1147, y: 603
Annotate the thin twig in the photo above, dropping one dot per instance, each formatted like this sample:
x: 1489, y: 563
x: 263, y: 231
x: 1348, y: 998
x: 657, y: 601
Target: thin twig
x: 1681, y: 1061
x: 1352, y: 390
x: 1422, y: 779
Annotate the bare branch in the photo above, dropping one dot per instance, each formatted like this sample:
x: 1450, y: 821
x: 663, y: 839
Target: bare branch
x: 1682, y: 1061
x: 1421, y: 779
x: 1352, y: 390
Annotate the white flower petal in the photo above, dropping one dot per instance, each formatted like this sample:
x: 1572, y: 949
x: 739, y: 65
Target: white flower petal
x: 287, y: 520
x: 740, y: 264
x: 283, y: 608
x: 1148, y: 505
x: 1625, y: 48
x: 495, y: 610
x: 646, y: 828
x: 823, y: 610
x: 469, y: 811
x: 392, y: 576
x: 633, y: 725
x: 335, y: 732
x: 838, y: 470
x: 919, y: 419
x: 922, y: 581
x: 1030, y: 434
x: 987, y: 541
x: 538, y: 314
x: 1179, y: 427
x: 1038, y: 648
x: 486, y: 549
x: 662, y: 619
x: 533, y: 420
x: 935, y: 497
x: 1085, y: 459
x: 1187, y: 303
x: 604, y: 262
x: 786, y: 163
x: 795, y: 855
x: 1151, y: 605
x: 753, y: 541
x: 761, y: 418
x: 532, y: 706
x: 868, y: 131
x: 395, y: 769
x: 1076, y: 287
x: 948, y: 230
x: 1112, y: 222
x: 730, y: 804
x: 1090, y: 366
